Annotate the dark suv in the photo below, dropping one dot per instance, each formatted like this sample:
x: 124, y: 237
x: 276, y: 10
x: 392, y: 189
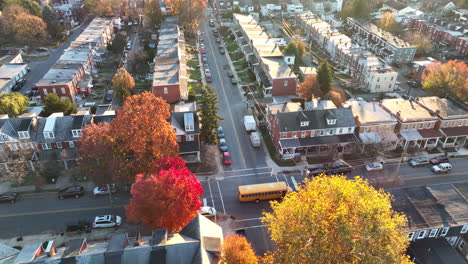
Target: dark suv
x: 9, y: 197
x: 72, y: 191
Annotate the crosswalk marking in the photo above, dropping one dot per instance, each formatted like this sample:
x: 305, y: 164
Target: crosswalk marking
x: 294, y: 182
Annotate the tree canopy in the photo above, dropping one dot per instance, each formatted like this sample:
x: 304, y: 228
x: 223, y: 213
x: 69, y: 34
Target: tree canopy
x: 336, y: 220
x: 142, y: 134
x: 447, y: 78
x: 237, y: 250
x: 167, y: 198
x: 53, y: 104
x: 355, y: 8
x: 13, y: 104
x: 325, y: 76
x: 24, y: 27
x: 208, y: 112
x: 55, y: 29
x: 422, y: 42
x: 189, y: 12
x: 153, y: 13
x: 123, y: 83
x: 310, y: 87
x: 31, y: 6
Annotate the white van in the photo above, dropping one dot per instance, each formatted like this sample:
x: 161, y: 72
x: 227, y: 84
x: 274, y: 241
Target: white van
x: 442, y: 168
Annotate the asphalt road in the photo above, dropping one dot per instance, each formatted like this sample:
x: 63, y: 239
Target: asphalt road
x: 39, y: 68
x: 232, y: 106
x: 45, y: 213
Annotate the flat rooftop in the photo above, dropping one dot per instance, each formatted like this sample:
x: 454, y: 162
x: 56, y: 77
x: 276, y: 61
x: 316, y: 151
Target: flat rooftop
x: 407, y: 110
x: 278, y: 68
x: 9, y: 71
x: 57, y: 77
x: 370, y: 112
x: 387, y: 36
x: 167, y: 64
x: 444, y: 108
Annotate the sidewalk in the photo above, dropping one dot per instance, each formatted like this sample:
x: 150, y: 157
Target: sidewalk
x: 62, y: 182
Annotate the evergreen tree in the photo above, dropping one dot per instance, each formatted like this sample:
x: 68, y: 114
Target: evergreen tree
x: 53, y: 104
x: 209, y: 115
x: 54, y: 28
x: 325, y: 76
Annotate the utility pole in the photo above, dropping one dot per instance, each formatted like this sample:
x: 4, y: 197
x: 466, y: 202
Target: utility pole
x: 111, y: 201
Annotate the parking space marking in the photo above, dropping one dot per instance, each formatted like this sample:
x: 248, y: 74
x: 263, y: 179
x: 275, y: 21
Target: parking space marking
x: 285, y: 179
x: 294, y: 182
x: 221, y: 197
x: 204, y: 202
x: 276, y: 176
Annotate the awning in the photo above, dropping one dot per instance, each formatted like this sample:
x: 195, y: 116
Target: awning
x: 317, y: 141
x: 419, y: 134
x: 454, y: 131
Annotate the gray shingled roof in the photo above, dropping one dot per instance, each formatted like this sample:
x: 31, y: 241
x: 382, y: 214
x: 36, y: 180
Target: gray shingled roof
x: 291, y: 121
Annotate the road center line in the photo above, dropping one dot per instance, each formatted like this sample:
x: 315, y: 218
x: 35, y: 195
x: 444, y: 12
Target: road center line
x: 61, y: 211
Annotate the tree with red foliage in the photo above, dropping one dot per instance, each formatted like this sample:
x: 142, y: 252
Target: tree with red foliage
x: 237, y: 250
x: 95, y: 158
x: 337, y: 96
x: 310, y: 87
x: 447, y: 78
x: 142, y: 135
x: 167, y: 198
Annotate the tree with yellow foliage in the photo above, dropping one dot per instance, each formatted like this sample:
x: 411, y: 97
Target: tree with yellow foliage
x: 237, y: 250
x: 335, y: 220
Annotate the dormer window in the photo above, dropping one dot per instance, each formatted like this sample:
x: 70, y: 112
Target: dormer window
x: 189, y: 122
x: 189, y: 127
x: 23, y: 134
x: 304, y: 123
x: 331, y: 121
x: 76, y: 133
x: 48, y: 135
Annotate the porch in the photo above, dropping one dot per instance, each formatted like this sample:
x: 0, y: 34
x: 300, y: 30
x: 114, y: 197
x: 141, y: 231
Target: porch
x: 335, y: 146
x: 387, y: 141
x: 420, y: 139
x: 454, y: 137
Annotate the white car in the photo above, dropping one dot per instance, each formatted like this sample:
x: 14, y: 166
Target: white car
x: 102, y: 190
x: 105, y: 221
x: 374, y: 166
x: 207, y: 210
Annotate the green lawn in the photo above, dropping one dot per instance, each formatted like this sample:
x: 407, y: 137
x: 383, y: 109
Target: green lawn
x: 195, y: 75
x: 193, y: 63
x: 195, y: 86
x: 236, y: 55
x: 241, y: 64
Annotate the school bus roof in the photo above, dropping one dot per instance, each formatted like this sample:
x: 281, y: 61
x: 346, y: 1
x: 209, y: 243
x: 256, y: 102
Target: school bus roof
x: 263, y: 187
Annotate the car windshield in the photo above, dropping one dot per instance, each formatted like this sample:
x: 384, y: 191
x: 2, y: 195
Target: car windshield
x: 227, y: 157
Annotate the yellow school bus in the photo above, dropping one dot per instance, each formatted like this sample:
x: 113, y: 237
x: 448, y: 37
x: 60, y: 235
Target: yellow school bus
x: 263, y: 191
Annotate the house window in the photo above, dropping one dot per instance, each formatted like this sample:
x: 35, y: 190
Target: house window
x: 464, y: 229
x: 71, y: 144
x: 190, y: 138
x: 45, y: 91
x: 54, y: 90
x: 331, y: 131
x: 13, y: 147
x: 46, y: 146
x: 189, y: 127
x: 59, y: 145
x: 350, y: 130
x: 421, y: 126
x: 303, y: 134
x: 304, y: 123
x: 422, y: 234
x: 285, y: 83
x: 444, y: 231
x: 365, y: 130
x: 433, y: 232
x: 460, y: 123
x: 322, y: 132
x: 48, y: 134
x: 428, y: 125
x: 340, y: 131
x: 165, y: 90
x: 23, y: 134
x: 312, y: 133
x: 178, y: 138
x: 446, y: 124
x: 414, y: 127
x: 462, y: 244
x: 282, y: 135
x: 76, y: 132
x: 63, y: 91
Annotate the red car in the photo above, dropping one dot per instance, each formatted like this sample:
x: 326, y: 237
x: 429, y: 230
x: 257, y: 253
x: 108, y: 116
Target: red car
x: 439, y: 159
x: 202, y: 51
x: 218, y: 40
x: 208, y: 79
x: 226, y: 158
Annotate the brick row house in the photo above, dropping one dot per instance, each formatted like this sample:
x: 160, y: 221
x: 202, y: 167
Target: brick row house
x: 450, y: 35
x: 417, y: 127
x: 170, y: 79
x: 71, y: 73
x: 49, y: 133
x: 380, y: 42
x: 186, y: 124
x: 375, y: 126
x: 374, y: 74
x: 270, y: 66
x: 320, y: 132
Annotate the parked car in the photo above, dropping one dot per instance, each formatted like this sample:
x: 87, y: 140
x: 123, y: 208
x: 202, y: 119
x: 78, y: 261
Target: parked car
x: 222, y: 145
x: 413, y: 83
x: 215, y: 30
x: 207, y: 210
x: 230, y: 74
x: 208, y: 79
x: 202, y: 46
x: 109, y: 94
x: 201, y: 39
x: 439, y: 159
x: 442, y: 168
x: 220, y: 132
x: 221, y: 50
x: 204, y: 59
x: 103, y: 190
x: 226, y: 158
x: 202, y: 51
x: 8, y: 197
x: 207, y: 72
x: 129, y: 45
x: 212, y: 23
x: 418, y: 162
x: 315, y: 172
x: 339, y: 169
x: 233, y: 81
x: 374, y: 166
x: 71, y: 191
x: 42, y: 49
x: 105, y: 221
